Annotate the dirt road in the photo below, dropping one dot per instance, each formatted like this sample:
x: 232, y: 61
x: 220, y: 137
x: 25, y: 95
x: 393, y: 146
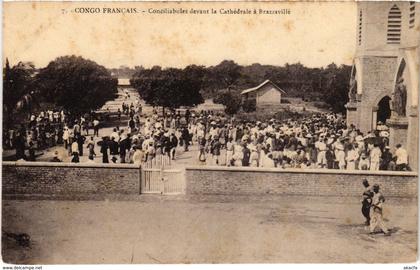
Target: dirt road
x: 155, y: 229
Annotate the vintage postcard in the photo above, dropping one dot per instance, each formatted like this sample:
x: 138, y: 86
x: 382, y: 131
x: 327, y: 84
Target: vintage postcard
x: 210, y: 132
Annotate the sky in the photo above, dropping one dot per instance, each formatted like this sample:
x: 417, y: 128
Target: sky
x: 314, y: 34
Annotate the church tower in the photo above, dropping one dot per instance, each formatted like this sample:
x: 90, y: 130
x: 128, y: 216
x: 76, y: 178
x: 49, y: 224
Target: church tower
x: 384, y: 83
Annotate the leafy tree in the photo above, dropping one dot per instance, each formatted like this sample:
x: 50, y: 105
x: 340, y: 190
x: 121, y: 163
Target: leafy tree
x: 18, y: 86
x: 336, y: 86
x: 76, y: 84
x: 170, y: 88
x: 225, y: 74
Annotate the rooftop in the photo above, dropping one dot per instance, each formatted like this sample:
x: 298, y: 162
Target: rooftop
x: 261, y: 85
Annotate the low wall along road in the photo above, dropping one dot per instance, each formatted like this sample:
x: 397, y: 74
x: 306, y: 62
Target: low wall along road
x: 247, y: 181
x: 74, y: 181
x: 69, y: 180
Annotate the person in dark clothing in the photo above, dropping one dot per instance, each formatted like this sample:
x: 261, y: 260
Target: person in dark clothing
x: 132, y: 124
x: 104, y: 150
x: 215, y: 150
x: 20, y: 146
x: 31, y: 152
x: 247, y: 155
x: 202, y: 147
x: 75, y: 158
x: 174, y: 143
x: 187, y: 116
x: 119, y: 114
x: 113, y: 150
x: 386, y: 158
x: 330, y: 157
x: 80, y: 141
x: 166, y: 145
x: 91, y: 148
x: 366, y: 201
x: 124, y: 145
x: 185, y: 137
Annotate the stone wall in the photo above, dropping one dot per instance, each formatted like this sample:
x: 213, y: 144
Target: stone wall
x: 73, y: 181
x: 378, y: 82
x: 69, y: 180
x: 244, y: 181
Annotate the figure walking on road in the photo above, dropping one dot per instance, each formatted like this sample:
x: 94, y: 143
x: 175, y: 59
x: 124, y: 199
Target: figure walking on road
x: 366, y: 201
x: 376, y: 219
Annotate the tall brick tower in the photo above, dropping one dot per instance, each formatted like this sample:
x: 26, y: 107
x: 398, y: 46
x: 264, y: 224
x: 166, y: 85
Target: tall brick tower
x: 384, y: 84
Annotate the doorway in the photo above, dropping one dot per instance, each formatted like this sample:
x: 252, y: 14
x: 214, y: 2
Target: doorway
x: 384, y: 111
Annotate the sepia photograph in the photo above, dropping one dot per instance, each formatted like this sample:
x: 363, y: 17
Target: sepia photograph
x: 210, y: 132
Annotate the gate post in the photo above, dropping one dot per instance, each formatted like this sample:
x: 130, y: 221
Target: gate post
x: 140, y: 177
x: 162, y: 181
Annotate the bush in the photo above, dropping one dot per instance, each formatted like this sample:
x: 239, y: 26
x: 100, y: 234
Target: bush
x: 231, y: 101
x: 249, y: 105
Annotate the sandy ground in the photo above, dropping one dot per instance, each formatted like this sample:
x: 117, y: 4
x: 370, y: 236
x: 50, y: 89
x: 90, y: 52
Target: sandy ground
x: 208, y: 229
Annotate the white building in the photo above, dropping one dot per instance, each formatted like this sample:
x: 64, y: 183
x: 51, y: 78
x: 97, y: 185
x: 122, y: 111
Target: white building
x: 267, y: 93
x: 124, y: 83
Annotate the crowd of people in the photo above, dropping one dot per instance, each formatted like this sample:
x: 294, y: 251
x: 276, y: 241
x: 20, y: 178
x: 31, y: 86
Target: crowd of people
x: 318, y: 141
x: 119, y: 146
x: 47, y: 129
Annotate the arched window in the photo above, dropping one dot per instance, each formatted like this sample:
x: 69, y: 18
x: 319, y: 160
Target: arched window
x: 412, y: 14
x: 394, y: 26
x: 360, y: 28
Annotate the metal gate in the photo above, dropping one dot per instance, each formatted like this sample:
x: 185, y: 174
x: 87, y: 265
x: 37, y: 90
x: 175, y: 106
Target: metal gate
x: 158, y: 177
